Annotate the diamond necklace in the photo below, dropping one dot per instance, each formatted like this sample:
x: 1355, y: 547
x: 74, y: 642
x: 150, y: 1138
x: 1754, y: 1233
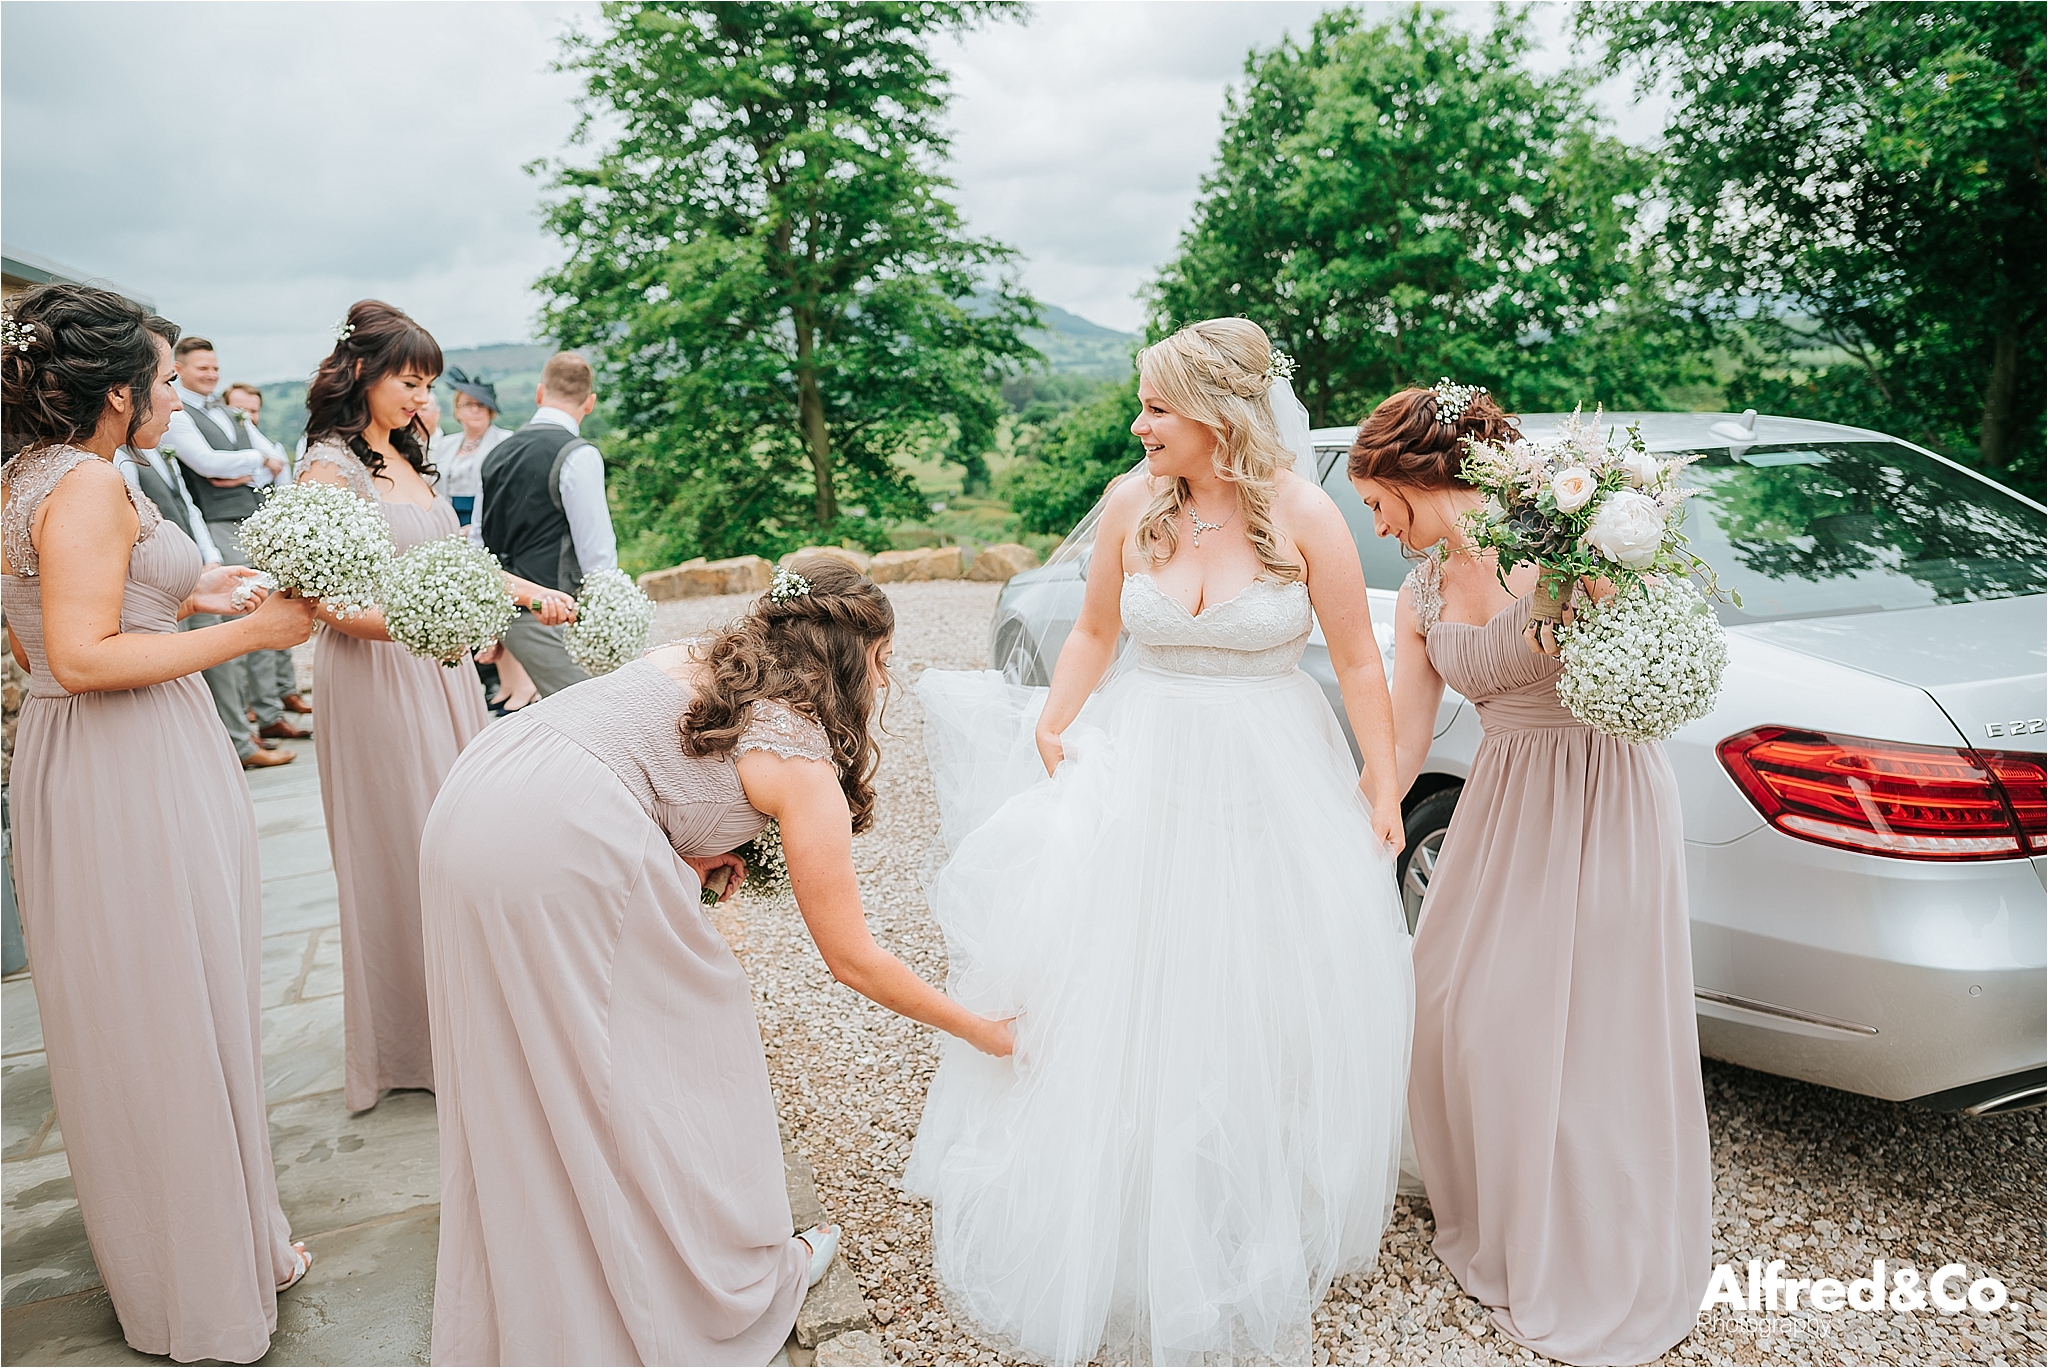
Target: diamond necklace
x: 1201, y: 527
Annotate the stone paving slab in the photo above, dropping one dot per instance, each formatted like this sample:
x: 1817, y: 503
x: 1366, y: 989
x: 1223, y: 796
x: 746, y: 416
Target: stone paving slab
x: 21, y: 1030
x: 369, y: 1299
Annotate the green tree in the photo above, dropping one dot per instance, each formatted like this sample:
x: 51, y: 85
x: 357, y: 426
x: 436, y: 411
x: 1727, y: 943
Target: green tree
x: 763, y: 256
x: 1074, y: 459
x: 1402, y: 200
x: 1876, y: 168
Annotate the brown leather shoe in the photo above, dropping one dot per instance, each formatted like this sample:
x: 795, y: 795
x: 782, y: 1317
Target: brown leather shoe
x: 284, y: 729
x: 293, y: 703
x: 264, y: 759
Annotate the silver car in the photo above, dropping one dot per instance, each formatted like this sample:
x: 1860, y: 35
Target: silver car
x: 1864, y: 814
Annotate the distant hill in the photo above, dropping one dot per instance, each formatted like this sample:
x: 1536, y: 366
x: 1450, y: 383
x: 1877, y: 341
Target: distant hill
x: 1075, y: 346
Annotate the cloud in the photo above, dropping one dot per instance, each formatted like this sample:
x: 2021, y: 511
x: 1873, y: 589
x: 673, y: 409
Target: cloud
x: 258, y: 167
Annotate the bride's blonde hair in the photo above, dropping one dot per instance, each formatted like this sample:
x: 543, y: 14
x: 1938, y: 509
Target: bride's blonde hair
x: 1216, y: 372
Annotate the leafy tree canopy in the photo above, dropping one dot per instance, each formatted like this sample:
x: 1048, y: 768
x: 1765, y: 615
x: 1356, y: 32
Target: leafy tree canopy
x: 762, y: 255
x: 1876, y: 167
x: 1398, y: 201
x: 1074, y: 460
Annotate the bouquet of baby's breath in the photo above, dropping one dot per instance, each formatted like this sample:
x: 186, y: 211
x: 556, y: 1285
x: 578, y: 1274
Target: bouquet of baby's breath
x: 1643, y: 662
x: 445, y: 598
x: 320, y: 541
x: 612, y: 620
x: 1583, y: 507
x: 767, y: 869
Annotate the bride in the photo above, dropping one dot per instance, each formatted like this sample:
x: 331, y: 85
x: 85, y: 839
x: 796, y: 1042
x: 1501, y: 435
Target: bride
x: 1193, y: 921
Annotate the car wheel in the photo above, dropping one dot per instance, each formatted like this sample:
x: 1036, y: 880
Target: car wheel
x: 1424, y: 828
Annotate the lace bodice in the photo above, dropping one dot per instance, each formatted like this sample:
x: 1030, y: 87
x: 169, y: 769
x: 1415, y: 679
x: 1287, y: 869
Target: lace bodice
x: 1259, y: 633
x: 163, y: 565
x: 1426, y: 592
x: 28, y: 480
x: 628, y: 720
x: 329, y: 452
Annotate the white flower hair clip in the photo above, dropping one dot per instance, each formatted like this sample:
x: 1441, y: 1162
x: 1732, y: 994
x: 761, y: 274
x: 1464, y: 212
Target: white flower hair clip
x: 1279, y: 366
x: 20, y: 336
x: 788, y: 585
x: 1452, y: 400
x: 343, y: 330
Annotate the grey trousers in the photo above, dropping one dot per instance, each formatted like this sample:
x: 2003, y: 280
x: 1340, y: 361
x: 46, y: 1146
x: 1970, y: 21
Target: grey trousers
x: 539, y: 648
x: 228, y: 683
x: 267, y: 676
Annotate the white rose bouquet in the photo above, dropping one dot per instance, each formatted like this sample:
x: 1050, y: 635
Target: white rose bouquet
x: 320, y: 541
x: 612, y: 620
x: 1582, y: 508
x: 445, y: 598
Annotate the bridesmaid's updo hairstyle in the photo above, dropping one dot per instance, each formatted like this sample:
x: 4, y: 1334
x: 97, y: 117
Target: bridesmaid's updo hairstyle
x: 1405, y: 442
x: 807, y: 650
x: 67, y: 347
x: 1217, y: 372
x: 374, y: 341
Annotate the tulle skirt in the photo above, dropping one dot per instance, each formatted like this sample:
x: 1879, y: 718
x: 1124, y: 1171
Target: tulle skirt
x: 1200, y: 939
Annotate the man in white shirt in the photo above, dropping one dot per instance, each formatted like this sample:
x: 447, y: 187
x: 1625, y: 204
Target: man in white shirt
x: 153, y: 477
x: 248, y: 400
x: 224, y: 468
x: 542, y: 512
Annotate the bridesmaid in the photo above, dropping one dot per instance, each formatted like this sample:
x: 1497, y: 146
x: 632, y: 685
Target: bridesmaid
x: 611, y: 1172
x: 1555, y: 1093
x: 146, y: 935
x: 391, y: 723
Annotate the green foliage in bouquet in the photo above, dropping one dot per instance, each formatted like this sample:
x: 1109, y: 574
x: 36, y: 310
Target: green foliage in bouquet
x: 1581, y: 507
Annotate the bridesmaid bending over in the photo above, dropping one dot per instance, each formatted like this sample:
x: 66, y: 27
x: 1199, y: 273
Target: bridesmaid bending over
x: 1555, y: 1094
x: 391, y: 723
x: 135, y: 841
x: 611, y: 1170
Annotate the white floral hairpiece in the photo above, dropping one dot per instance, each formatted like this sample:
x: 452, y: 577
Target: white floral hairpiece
x: 343, y: 329
x: 788, y: 585
x: 1279, y: 366
x: 1452, y: 400
x: 20, y: 336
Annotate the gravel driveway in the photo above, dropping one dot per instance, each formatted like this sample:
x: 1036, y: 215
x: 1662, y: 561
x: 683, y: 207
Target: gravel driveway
x: 1826, y: 1181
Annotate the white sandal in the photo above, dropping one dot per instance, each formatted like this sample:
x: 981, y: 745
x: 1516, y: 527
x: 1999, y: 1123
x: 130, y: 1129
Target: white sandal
x: 823, y: 1242
x: 301, y: 1268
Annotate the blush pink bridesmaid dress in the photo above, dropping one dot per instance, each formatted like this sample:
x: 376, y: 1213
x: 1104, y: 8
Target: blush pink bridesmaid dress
x: 611, y: 1172
x: 389, y: 727
x: 1555, y: 1096
x: 142, y: 905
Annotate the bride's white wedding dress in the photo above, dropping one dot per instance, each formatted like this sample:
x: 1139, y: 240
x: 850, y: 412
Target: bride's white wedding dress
x: 1199, y: 935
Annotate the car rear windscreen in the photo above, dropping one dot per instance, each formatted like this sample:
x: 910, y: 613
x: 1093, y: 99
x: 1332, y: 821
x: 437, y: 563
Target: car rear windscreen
x: 1825, y: 528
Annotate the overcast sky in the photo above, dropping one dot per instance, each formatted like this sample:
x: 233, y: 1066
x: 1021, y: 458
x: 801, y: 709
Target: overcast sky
x: 256, y: 167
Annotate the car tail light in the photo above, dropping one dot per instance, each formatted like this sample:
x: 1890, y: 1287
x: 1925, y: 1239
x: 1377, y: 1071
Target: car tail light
x: 1890, y: 798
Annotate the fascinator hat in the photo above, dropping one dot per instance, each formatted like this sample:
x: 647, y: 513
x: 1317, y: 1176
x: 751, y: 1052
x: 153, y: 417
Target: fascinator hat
x: 482, y: 391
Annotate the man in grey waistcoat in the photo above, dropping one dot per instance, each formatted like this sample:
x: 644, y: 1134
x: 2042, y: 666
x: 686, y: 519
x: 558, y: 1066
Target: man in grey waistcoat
x: 543, y: 513
x: 224, y: 470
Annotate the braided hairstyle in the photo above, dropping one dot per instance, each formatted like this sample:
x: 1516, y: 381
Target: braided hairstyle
x: 1403, y: 442
x: 377, y: 341
x: 810, y: 652
x: 1217, y: 372
x: 67, y: 348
